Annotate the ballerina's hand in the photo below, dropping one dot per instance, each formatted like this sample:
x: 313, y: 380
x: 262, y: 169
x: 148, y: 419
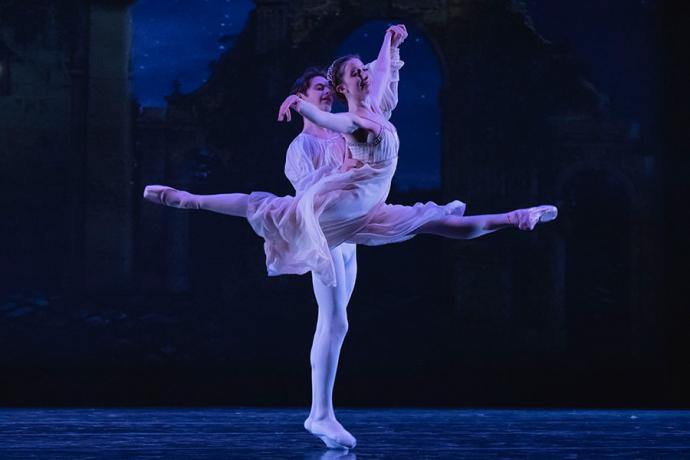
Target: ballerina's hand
x: 290, y: 102
x: 399, y: 32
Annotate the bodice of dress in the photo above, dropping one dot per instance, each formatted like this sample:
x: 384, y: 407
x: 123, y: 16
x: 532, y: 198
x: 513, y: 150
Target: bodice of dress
x: 384, y: 147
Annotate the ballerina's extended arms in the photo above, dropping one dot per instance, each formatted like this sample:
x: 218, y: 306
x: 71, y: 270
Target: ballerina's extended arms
x: 339, y: 122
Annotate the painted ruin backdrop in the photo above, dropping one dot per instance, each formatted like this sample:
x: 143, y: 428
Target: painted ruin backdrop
x: 109, y: 299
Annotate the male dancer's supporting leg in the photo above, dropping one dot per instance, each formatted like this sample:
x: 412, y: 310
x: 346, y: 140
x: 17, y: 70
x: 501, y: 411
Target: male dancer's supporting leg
x: 331, y: 328
x: 350, y: 260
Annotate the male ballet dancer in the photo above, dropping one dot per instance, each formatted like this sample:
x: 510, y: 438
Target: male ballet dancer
x: 312, y: 154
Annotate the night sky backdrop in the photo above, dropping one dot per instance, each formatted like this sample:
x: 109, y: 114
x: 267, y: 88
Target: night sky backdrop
x: 176, y: 40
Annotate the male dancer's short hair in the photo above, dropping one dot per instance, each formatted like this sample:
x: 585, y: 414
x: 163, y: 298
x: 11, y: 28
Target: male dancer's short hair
x: 301, y: 85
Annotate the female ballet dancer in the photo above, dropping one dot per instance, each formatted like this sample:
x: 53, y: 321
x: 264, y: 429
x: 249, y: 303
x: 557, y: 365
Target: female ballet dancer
x: 348, y: 206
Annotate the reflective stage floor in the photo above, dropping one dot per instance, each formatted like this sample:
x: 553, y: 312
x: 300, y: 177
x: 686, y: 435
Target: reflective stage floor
x: 238, y: 433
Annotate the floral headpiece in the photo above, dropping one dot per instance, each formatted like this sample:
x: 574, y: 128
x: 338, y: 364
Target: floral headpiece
x: 330, y: 75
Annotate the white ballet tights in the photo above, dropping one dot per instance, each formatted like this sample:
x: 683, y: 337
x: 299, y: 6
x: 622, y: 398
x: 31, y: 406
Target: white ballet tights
x: 466, y: 227
x: 232, y: 204
x: 331, y: 328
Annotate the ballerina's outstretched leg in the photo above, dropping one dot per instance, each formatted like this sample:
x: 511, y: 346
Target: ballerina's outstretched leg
x: 232, y: 204
x: 468, y: 227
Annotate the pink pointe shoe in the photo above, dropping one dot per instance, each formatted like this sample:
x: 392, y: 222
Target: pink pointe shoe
x: 527, y: 219
x: 162, y: 194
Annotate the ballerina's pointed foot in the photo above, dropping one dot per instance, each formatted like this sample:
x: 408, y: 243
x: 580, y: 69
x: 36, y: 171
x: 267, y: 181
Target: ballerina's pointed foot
x: 331, y: 432
x: 162, y: 194
x: 527, y: 219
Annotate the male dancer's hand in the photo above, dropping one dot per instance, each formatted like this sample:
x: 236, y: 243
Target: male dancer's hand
x: 291, y: 102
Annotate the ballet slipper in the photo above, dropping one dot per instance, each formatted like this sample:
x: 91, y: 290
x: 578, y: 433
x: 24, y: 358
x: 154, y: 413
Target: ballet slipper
x: 162, y: 194
x: 332, y: 433
x: 527, y: 219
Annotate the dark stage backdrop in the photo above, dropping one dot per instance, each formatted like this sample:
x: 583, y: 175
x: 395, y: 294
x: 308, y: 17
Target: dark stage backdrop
x: 109, y: 300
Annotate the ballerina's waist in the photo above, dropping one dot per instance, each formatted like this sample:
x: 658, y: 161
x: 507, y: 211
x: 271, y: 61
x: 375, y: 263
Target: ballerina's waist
x: 371, y: 156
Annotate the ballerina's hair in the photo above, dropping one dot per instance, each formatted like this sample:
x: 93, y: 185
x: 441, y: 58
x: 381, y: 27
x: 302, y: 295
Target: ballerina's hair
x: 301, y: 85
x: 335, y: 73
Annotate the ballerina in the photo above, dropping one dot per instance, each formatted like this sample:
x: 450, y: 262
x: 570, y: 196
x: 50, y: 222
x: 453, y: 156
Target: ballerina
x: 348, y: 206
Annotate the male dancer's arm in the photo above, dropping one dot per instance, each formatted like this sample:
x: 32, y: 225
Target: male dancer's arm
x: 298, y: 165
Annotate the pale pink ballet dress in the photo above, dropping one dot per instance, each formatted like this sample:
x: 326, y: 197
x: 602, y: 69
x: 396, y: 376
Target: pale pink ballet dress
x: 337, y: 206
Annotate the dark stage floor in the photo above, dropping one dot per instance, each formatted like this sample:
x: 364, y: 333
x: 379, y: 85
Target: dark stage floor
x: 381, y: 433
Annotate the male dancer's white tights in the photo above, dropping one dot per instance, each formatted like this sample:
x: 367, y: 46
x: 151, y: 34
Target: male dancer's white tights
x: 331, y: 328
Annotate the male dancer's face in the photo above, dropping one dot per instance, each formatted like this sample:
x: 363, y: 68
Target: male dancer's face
x: 319, y: 93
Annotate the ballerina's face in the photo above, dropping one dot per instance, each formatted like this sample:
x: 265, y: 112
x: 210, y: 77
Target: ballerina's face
x: 319, y: 93
x: 355, y: 79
